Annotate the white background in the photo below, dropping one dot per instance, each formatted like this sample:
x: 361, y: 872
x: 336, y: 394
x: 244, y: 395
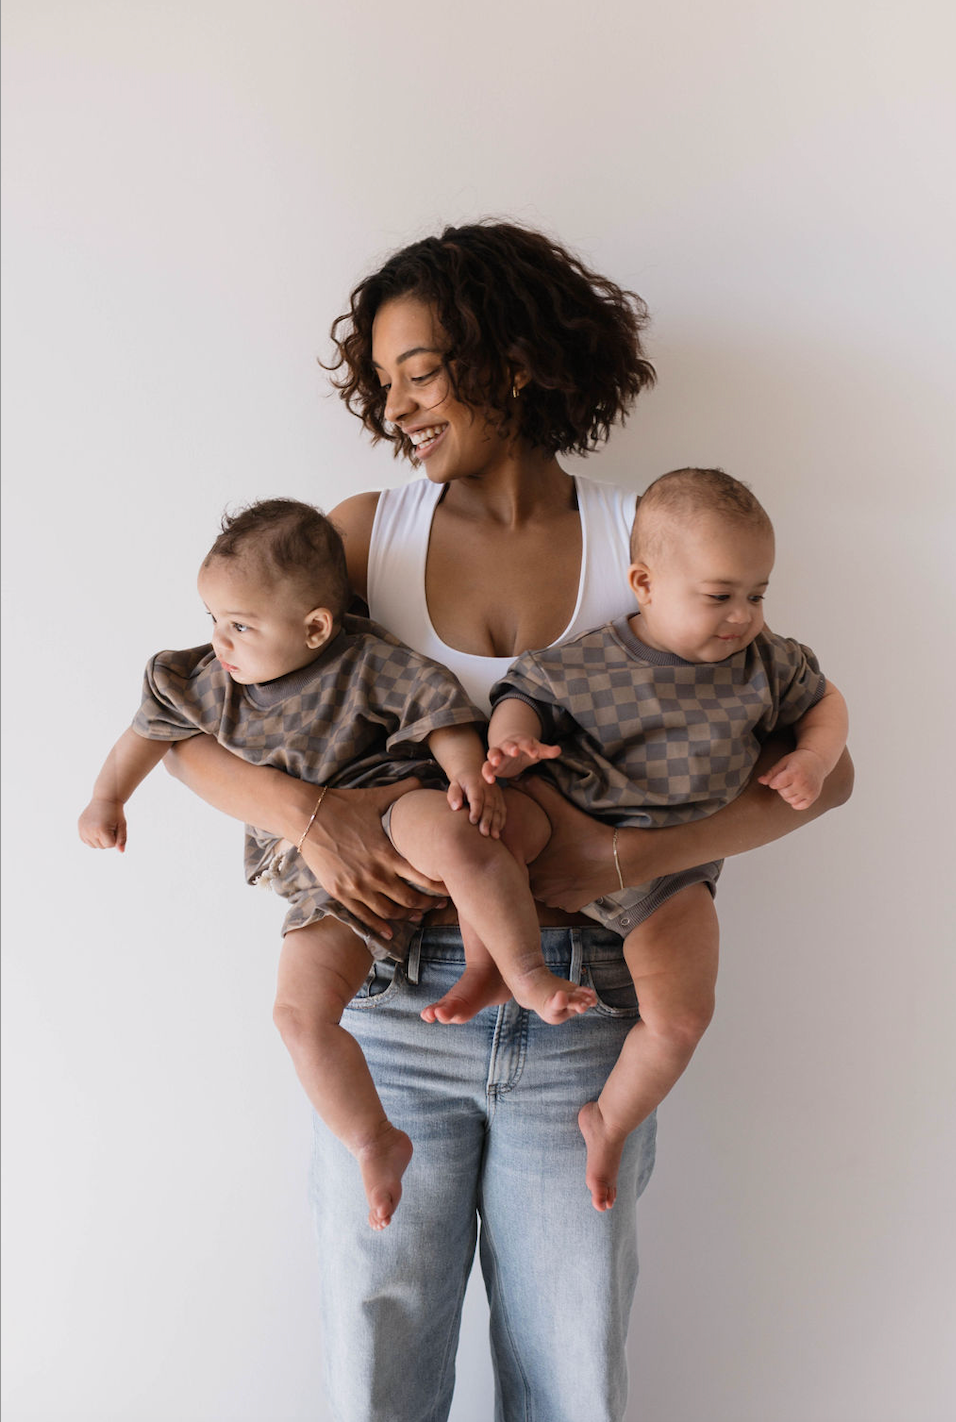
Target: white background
x: 190, y: 191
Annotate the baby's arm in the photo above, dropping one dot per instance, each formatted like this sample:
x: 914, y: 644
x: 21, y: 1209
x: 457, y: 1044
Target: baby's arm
x: 102, y: 824
x: 460, y: 752
x: 821, y: 740
x: 513, y: 742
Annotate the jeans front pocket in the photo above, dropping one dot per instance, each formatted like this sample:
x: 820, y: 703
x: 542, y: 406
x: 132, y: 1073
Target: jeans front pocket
x: 611, y: 980
x: 383, y: 984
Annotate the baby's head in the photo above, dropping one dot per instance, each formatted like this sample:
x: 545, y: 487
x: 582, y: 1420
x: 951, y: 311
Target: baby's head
x: 702, y: 554
x: 276, y: 585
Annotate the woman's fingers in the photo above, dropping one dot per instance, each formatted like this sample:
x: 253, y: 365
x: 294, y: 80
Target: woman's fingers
x: 354, y: 860
x: 573, y: 867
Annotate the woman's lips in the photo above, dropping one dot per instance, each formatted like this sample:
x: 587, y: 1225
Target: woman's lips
x: 427, y: 445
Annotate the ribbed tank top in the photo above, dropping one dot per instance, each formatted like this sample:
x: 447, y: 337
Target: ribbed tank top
x: 396, y: 573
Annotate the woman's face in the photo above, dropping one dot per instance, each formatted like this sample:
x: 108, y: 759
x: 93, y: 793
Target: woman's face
x: 451, y: 439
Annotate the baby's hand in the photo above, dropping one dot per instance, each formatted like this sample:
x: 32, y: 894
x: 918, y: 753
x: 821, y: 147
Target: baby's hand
x: 798, y: 778
x: 486, y: 803
x: 515, y: 755
x: 102, y: 825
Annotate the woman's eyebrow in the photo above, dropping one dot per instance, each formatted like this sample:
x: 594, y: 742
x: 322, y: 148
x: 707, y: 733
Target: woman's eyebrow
x: 407, y: 355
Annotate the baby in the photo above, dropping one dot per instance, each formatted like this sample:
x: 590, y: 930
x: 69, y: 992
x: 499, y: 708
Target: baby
x: 659, y: 719
x: 291, y: 681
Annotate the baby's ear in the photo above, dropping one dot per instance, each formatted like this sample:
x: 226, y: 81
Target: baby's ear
x: 319, y: 624
x: 639, y: 581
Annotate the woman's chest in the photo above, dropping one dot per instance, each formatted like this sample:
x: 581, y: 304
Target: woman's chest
x: 496, y: 592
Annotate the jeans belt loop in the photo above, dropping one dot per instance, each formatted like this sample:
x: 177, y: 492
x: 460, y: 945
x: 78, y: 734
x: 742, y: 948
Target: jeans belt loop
x: 413, y: 961
x: 577, y: 956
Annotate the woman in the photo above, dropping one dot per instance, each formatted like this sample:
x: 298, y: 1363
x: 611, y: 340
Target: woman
x: 484, y: 354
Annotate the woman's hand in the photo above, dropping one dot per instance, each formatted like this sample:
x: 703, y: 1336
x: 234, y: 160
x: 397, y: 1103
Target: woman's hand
x: 576, y: 866
x: 354, y: 860
x: 346, y: 848
x: 486, y: 803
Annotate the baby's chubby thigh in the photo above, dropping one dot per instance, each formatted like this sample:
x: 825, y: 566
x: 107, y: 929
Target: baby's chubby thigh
x: 435, y: 838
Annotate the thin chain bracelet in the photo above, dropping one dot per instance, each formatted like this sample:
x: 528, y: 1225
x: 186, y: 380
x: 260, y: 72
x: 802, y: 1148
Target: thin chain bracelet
x: 617, y: 862
x: 305, y: 832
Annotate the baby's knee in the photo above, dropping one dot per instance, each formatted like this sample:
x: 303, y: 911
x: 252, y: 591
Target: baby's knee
x: 299, y: 1021
x: 682, y: 1025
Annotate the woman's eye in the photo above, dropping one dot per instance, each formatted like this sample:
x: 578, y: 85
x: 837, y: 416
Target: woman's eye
x: 718, y: 597
x: 421, y: 379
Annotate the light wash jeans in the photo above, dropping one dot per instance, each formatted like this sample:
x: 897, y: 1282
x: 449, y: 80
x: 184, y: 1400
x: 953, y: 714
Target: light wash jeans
x: 491, y: 1108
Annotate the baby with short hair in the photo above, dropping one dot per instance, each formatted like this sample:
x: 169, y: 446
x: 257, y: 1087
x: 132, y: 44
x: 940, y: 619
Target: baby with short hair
x: 291, y: 681
x: 658, y: 718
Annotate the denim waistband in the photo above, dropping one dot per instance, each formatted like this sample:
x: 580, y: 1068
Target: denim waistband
x: 568, y: 947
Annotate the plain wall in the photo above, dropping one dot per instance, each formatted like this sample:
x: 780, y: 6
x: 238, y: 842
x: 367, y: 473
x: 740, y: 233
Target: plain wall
x: 190, y: 189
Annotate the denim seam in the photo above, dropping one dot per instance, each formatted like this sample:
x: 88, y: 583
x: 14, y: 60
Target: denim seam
x: 451, y: 1342
x: 494, y: 1091
x: 506, y: 1323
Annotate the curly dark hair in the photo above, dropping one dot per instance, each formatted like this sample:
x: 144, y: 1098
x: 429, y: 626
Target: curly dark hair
x: 506, y: 297
x: 290, y: 539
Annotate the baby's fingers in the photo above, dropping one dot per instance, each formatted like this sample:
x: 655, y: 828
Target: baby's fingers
x: 776, y: 775
x: 492, y: 820
x: 488, y: 769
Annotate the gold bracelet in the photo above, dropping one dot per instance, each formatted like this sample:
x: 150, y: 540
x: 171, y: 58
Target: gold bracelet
x: 305, y: 832
x: 617, y: 862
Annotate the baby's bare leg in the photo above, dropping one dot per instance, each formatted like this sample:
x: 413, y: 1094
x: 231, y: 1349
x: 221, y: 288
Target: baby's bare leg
x: 490, y: 890
x: 673, y: 961
x: 480, y: 985
x: 321, y: 968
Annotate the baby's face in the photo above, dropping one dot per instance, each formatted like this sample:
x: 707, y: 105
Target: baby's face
x: 702, y: 598
x: 262, y: 629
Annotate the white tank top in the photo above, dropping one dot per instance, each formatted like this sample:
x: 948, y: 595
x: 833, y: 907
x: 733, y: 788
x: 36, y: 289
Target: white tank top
x: 396, y: 573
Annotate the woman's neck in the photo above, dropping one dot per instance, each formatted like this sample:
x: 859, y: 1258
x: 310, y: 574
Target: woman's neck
x: 526, y: 485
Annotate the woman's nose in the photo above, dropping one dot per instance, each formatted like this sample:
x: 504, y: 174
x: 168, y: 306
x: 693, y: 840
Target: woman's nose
x: 398, y: 402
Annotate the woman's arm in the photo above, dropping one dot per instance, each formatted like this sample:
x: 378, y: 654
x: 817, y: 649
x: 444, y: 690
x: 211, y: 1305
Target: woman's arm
x: 346, y: 849
x: 577, y: 864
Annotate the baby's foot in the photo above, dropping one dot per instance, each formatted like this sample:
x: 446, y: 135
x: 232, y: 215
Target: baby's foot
x: 475, y: 989
x: 383, y: 1162
x: 554, y: 999
x: 604, y: 1156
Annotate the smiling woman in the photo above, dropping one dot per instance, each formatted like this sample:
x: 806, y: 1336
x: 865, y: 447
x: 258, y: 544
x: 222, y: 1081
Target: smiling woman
x: 482, y: 355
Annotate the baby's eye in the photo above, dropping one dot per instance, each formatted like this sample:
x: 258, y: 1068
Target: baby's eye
x: 239, y: 627
x: 718, y: 597
x: 757, y: 597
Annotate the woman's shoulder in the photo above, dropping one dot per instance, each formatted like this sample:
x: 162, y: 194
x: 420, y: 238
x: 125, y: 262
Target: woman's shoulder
x: 612, y: 501
x: 354, y: 518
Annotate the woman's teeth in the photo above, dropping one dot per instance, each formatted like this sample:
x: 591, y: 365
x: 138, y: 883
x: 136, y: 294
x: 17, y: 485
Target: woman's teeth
x: 418, y: 437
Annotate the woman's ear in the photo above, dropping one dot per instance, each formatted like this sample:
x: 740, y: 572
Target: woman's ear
x: 639, y: 582
x: 319, y: 624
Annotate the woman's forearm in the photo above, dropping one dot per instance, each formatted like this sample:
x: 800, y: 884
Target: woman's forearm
x: 344, y: 846
x: 757, y: 816
x: 257, y: 794
x: 577, y: 864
